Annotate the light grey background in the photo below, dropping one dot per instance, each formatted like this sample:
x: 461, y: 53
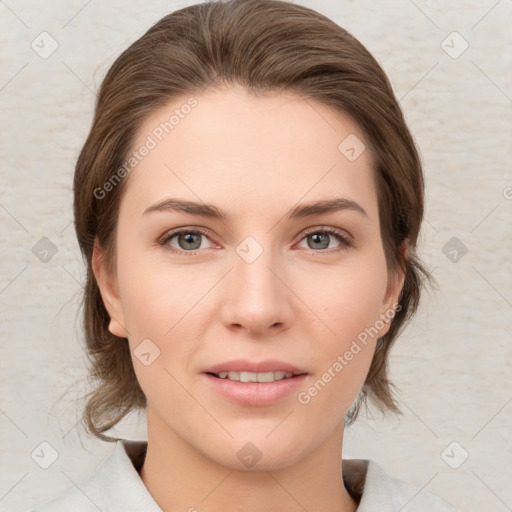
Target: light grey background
x: 452, y: 365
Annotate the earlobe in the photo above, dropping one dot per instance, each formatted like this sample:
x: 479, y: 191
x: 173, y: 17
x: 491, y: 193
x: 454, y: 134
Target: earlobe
x: 117, y: 329
x: 394, y: 291
x: 398, y: 279
x: 109, y: 292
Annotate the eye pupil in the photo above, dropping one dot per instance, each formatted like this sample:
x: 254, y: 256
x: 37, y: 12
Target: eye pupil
x: 189, y: 238
x: 319, y: 238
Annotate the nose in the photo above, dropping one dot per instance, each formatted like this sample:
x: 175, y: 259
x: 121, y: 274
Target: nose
x: 257, y: 297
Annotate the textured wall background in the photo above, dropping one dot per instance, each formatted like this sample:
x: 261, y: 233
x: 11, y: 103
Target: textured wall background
x: 452, y: 365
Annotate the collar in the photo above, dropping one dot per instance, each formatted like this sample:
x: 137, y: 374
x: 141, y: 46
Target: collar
x: 122, y: 488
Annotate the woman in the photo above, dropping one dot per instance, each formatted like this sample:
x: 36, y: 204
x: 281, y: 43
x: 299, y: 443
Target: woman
x: 248, y: 202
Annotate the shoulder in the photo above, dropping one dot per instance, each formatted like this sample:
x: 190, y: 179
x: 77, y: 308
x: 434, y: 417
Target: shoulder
x: 380, y: 491
x: 84, y: 497
x: 114, y: 485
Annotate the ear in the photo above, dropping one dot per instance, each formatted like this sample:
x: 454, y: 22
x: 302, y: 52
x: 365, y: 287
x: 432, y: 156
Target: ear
x: 107, y: 284
x: 394, y: 289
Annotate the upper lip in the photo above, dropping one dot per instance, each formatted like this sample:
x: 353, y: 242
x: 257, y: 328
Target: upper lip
x: 269, y: 365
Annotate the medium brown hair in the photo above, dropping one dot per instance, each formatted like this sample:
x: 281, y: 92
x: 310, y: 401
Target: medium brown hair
x: 262, y: 45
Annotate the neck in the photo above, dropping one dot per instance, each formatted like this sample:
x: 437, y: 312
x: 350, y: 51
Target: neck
x: 181, y: 478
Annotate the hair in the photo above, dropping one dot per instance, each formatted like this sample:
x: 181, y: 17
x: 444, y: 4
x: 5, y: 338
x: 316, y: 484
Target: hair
x: 263, y: 46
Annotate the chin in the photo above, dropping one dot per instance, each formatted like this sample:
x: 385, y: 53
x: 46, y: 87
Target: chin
x: 257, y: 452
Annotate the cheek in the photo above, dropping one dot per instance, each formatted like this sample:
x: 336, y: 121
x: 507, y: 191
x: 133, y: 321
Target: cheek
x: 350, y: 306
x: 154, y: 295
x: 157, y: 305
x: 162, y: 304
x: 349, y: 297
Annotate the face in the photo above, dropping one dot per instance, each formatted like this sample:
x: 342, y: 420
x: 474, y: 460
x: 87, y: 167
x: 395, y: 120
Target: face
x: 259, y: 279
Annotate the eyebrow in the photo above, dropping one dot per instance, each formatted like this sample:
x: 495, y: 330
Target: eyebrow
x: 310, y: 209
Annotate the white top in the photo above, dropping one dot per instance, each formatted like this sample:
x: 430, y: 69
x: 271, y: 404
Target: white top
x: 116, y: 486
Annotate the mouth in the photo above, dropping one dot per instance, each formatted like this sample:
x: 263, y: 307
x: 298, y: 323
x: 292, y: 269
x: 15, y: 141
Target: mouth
x: 255, y: 384
x: 245, y: 376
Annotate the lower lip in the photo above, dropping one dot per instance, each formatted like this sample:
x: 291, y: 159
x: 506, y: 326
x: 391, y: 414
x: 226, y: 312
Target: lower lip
x: 255, y: 393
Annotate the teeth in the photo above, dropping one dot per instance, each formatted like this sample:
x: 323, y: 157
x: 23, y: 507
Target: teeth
x: 255, y: 377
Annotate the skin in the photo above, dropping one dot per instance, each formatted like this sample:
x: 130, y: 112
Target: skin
x: 299, y: 301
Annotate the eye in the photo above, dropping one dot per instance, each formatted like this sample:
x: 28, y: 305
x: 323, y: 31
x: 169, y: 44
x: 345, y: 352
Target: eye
x: 319, y: 239
x: 188, y: 241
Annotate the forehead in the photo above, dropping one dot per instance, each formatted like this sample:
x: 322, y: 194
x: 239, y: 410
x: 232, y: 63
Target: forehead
x: 231, y: 144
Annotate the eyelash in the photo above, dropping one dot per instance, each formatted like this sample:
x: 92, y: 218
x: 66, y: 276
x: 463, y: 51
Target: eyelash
x: 345, y: 241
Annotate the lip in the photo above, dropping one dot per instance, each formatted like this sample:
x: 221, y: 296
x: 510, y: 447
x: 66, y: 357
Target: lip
x: 255, y: 393
x: 240, y: 365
